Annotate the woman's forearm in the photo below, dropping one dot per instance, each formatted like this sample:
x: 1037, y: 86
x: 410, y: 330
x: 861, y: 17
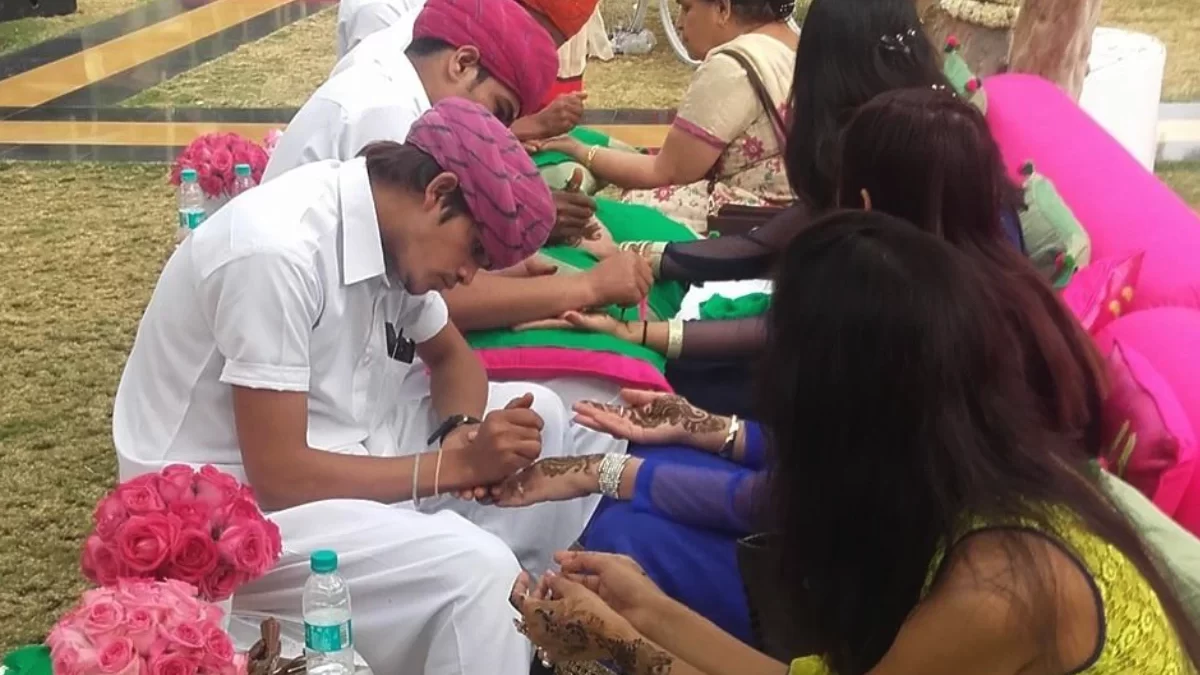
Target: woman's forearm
x: 703, y: 646
x: 629, y: 170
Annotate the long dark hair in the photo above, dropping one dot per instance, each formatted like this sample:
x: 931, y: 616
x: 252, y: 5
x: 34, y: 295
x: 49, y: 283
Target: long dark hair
x: 849, y: 51
x: 928, y: 157
x: 898, y: 406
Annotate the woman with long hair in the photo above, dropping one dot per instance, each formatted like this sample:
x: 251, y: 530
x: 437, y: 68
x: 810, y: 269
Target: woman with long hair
x: 692, y: 483
x: 930, y: 516
x: 849, y: 51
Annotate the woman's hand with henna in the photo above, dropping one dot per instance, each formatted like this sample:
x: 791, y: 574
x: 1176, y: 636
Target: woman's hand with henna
x: 592, y: 322
x: 621, y: 583
x: 655, y: 418
x: 552, y: 479
x: 570, y: 623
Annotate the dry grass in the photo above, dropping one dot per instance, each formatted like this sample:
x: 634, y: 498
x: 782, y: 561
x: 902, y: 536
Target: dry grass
x: 20, y: 34
x: 82, y: 245
x: 1177, y: 24
x: 1184, y: 178
x: 280, y: 70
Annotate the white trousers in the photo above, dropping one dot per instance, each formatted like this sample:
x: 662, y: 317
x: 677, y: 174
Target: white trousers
x: 429, y: 585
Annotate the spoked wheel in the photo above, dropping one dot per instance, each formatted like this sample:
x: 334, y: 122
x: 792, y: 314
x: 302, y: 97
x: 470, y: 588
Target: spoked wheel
x: 624, y: 15
x: 667, y: 13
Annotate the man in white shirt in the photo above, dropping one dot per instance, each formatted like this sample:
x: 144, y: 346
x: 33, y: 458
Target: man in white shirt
x: 357, y: 19
x: 274, y: 348
x: 488, y: 51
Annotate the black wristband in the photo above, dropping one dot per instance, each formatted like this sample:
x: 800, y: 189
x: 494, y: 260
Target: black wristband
x: 450, y: 424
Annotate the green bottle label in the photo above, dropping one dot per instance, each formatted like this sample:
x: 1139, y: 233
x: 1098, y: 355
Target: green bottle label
x: 190, y: 219
x: 327, y: 638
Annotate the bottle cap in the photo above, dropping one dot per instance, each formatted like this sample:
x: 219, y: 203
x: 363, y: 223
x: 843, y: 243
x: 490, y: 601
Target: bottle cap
x: 323, y: 562
x: 242, y: 169
x: 188, y: 175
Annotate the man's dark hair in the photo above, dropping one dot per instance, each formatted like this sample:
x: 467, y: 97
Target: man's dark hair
x: 428, y: 46
x: 409, y: 168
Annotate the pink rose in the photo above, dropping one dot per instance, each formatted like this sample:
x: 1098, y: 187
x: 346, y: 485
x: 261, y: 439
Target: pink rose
x: 116, y: 656
x: 173, y: 664
x: 193, y: 513
x: 73, y: 661
x: 101, y: 618
x: 186, y: 636
x: 194, y: 556
x: 222, y: 160
x: 145, y: 542
x: 175, y: 483
x: 140, y: 498
x: 237, y: 511
x: 138, y: 593
x: 109, y: 515
x: 222, y: 583
x: 213, y: 186
x: 218, y: 648
x: 67, y: 635
x: 215, y: 486
x: 247, y: 546
x: 100, y: 563
x: 141, y: 627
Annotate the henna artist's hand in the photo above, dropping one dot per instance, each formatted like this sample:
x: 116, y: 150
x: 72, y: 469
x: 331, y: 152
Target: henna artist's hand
x: 592, y: 322
x: 620, y: 582
x: 655, y: 418
x: 570, y: 623
x: 554, y: 479
x: 598, y: 241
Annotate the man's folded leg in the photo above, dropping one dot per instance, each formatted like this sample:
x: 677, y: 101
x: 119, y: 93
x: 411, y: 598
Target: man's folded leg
x: 429, y: 593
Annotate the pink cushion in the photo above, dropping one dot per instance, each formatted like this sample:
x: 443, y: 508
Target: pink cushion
x: 1124, y: 207
x: 542, y: 363
x: 1103, y: 291
x: 1148, y: 439
x: 1163, y: 345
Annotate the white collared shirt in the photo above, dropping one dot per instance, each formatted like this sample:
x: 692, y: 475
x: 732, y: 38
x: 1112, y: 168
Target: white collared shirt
x: 384, y: 47
x: 285, y: 289
x: 358, y: 19
x: 366, y: 103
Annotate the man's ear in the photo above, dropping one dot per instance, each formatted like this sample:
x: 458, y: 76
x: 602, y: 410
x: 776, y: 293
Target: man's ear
x: 442, y: 184
x: 464, y: 64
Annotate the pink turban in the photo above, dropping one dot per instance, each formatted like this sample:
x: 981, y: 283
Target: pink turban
x: 512, y: 45
x: 509, y: 201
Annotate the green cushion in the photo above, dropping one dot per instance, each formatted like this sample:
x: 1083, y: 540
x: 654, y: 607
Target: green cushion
x: 720, y: 308
x: 1055, y: 240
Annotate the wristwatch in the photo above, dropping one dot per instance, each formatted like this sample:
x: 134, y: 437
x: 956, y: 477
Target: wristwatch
x: 452, y: 422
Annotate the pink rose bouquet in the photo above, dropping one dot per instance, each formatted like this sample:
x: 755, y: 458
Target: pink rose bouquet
x: 143, y: 628
x: 213, y: 156
x: 200, y: 527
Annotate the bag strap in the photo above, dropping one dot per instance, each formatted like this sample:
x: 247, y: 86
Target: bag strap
x: 764, y: 98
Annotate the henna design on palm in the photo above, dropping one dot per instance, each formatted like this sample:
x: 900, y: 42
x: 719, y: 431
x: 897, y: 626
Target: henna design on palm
x: 669, y: 411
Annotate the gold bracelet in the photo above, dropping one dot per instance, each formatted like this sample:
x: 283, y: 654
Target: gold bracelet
x: 416, y: 474
x: 674, y: 338
x: 591, y: 156
x: 654, y: 254
x: 437, y: 474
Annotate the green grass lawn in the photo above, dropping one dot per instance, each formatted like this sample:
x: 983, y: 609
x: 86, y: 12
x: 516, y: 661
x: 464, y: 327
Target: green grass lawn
x: 20, y: 34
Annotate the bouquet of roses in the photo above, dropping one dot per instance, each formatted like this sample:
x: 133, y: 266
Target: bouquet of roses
x: 200, y: 527
x: 141, y: 628
x: 213, y: 156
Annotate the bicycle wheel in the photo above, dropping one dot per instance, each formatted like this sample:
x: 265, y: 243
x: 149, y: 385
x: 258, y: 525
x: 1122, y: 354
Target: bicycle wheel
x: 666, y: 14
x: 624, y: 16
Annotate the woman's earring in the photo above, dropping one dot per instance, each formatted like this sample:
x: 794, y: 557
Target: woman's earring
x: 866, y: 199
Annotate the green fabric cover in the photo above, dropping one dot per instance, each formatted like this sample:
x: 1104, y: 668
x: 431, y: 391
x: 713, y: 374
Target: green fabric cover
x: 583, y: 135
x: 31, y: 660
x: 626, y: 222
x: 1055, y: 240
x: 956, y: 70
x: 719, y: 307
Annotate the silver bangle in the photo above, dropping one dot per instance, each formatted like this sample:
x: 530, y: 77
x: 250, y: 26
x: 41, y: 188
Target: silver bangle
x: 611, y: 468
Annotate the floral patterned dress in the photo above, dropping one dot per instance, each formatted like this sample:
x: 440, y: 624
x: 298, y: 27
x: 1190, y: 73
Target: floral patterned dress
x: 721, y: 108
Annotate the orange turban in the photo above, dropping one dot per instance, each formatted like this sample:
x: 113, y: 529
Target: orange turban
x: 568, y: 16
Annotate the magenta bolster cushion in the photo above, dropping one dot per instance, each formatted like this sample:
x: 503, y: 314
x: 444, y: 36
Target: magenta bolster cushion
x: 1124, y: 207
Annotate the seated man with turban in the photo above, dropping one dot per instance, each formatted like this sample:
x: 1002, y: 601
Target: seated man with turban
x: 374, y: 29
x: 277, y: 346
x: 488, y: 51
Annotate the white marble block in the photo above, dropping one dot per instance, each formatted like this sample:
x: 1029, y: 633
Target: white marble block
x: 1123, y: 89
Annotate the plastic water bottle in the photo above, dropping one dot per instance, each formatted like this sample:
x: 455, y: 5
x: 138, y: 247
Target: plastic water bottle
x: 328, y: 637
x: 191, y: 204
x: 633, y: 43
x: 243, y: 180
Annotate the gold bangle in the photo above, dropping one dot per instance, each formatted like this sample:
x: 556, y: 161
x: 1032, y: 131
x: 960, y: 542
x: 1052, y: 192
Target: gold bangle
x: 591, y: 156
x: 674, y: 338
x: 437, y: 474
x: 654, y: 253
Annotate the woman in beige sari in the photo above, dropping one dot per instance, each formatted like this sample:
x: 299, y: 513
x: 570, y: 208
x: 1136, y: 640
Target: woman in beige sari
x: 725, y: 145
